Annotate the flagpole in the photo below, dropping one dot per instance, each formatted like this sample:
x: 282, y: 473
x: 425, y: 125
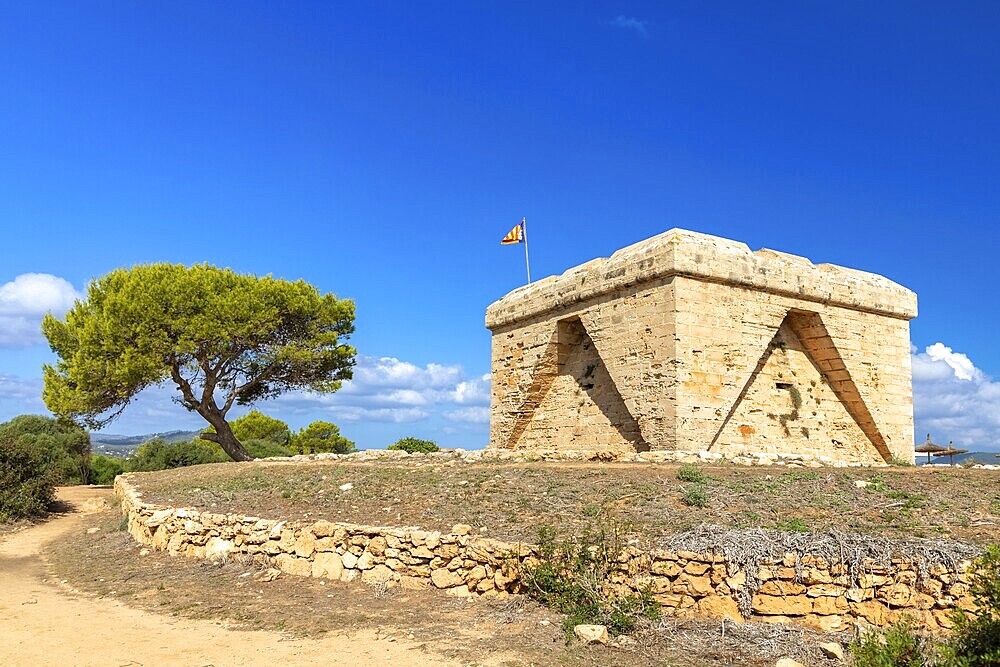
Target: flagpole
x: 527, y: 265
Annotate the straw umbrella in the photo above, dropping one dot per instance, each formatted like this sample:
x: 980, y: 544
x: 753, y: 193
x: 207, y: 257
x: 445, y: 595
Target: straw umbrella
x: 929, y: 448
x: 950, y: 453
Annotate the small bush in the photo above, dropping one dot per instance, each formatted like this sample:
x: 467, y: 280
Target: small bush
x: 794, y: 525
x: 27, y: 479
x: 160, y: 455
x: 412, y: 445
x: 898, y: 646
x: 571, y: 577
x: 976, y: 638
x: 104, y: 469
x: 975, y: 641
x: 695, y: 496
x: 262, y: 449
x: 691, y: 473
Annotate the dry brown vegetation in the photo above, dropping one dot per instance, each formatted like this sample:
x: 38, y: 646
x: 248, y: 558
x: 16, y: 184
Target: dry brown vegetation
x: 511, y: 501
x: 511, y: 632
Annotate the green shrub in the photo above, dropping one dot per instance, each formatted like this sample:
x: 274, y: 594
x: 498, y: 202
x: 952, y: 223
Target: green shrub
x: 27, y: 479
x: 160, y: 455
x: 570, y: 577
x: 695, y: 496
x: 794, y: 525
x: 104, y: 469
x: 262, y: 449
x: 321, y: 437
x: 976, y: 638
x: 64, y: 445
x: 897, y: 646
x: 691, y: 473
x: 975, y: 641
x: 412, y: 445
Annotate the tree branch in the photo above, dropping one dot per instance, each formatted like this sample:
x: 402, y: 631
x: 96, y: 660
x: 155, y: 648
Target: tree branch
x: 175, y: 372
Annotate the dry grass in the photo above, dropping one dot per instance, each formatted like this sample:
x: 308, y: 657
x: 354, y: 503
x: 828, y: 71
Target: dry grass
x: 510, y: 501
x: 513, y: 632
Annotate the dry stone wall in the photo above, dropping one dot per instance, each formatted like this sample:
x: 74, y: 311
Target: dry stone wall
x: 691, y: 342
x: 802, y: 589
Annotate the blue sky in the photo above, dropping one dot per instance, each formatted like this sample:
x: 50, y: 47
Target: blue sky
x: 381, y: 150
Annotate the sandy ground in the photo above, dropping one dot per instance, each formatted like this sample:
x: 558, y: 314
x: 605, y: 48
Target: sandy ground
x: 43, y: 622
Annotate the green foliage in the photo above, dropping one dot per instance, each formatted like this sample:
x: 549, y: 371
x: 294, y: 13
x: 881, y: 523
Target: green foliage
x: 64, y: 445
x: 27, y: 479
x: 319, y: 437
x: 159, y: 455
x: 898, y: 646
x: 691, y: 473
x: 571, y: 577
x: 263, y: 449
x: 104, y: 469
x: 412, y: 445
x: 976, y: 638
x: 795, y: 525
x: 244, y: 337
x: 256, y: 425
x: 695, y: 496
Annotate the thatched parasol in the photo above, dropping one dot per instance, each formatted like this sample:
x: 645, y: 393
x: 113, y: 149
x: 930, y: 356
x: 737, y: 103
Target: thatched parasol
x: 950, y: 453
x: 929, y: 448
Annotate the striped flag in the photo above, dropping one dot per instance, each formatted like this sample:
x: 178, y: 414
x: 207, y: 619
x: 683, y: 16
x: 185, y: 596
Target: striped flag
x: 515, y: 235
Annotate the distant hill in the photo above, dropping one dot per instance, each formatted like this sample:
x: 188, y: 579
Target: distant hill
x: 125, y: 440
x: 123, y: 445
x: 980, y: 457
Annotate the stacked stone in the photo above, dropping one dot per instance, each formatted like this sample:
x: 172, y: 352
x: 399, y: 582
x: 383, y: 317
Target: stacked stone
x: 458, y: 562
x: 804, y: 590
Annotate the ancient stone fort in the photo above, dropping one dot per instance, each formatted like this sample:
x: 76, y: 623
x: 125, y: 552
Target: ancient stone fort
x: 692, y: 342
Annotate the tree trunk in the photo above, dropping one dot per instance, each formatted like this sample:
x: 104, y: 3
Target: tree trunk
x: 224, y: 437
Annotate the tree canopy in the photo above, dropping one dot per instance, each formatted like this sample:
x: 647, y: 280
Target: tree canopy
x: 63, y: 445
x: 222, y: 338
x: 319, y: 437
x: 255, y: 425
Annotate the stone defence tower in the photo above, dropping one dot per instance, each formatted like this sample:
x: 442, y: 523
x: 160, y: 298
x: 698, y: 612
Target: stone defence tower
x: 692, y: 342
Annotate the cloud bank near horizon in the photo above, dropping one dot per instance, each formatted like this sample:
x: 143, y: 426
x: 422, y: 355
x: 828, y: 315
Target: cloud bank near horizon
x: 953, y: 399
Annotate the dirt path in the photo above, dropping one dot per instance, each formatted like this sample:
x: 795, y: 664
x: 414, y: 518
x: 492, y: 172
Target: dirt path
x: 44, y: 623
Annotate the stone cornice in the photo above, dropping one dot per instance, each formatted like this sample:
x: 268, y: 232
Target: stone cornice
x: 709, y: 258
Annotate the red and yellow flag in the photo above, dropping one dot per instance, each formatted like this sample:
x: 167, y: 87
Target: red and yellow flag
x: 515, y: 235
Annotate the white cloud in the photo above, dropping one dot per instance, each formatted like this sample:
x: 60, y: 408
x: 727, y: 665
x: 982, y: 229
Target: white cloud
x: 479, y: 415
x: 385, y: 389
x: 23, y: 302
x: 472, y: 391
x: 954, y: 401
x: 630, y: 23
x: 961, y: 364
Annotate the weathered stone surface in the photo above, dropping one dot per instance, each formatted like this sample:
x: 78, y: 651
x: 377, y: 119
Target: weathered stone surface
x: 691, y: 331
x: 443, y: 578
x: 376, y: 575
x: 789, y: 605
x: 833, y: 650
x: 788, y: 662
x: 717, y: 606
x: 327, y: 565
x: 292, y: 565
x: 591, y: 634
x: 218, y: 548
